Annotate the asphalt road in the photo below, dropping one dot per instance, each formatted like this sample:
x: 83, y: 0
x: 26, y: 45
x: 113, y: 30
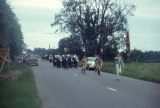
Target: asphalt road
x: 59, y: 88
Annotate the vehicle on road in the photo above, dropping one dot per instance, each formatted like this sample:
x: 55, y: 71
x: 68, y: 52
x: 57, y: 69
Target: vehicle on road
x: 32, y: 60
x: 91, y: 63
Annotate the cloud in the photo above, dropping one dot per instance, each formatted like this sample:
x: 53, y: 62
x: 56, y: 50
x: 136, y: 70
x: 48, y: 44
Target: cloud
x: 35, y: 22
x: 43, y: 40
x: 37, y: 3
x: 144, y: 26
x: 146, y: 9
x: 36, y: 16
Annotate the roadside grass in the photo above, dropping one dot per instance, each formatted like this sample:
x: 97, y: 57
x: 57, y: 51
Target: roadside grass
x: 142, y: 71
x: 21, y: 93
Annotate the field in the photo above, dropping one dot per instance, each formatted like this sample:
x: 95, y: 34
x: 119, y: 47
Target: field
x: 143, y: 71
x: 17, y: 88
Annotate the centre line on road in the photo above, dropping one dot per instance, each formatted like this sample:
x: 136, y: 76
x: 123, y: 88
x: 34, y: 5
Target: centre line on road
x: 75, y: 74
x: 112, y: 89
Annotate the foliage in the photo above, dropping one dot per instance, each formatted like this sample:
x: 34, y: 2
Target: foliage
x: 96, y: 22
x: 70, y: 45
x: 140, y: 56
x: 10, y: 30
x: 143, y: 71
x: 39, y: 50
x: 52, y: 51
x: 28, y: 50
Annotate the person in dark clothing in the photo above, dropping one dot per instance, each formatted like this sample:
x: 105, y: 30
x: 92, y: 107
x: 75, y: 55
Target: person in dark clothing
x: 66, y: 62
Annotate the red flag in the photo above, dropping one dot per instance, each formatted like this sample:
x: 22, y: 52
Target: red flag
x: 127, y: 44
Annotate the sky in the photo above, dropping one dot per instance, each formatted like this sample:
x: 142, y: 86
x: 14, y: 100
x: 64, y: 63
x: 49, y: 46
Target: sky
x: 36, y: 16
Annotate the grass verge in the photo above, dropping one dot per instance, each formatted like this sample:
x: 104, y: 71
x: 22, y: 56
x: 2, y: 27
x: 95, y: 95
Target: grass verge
x: 21, y: 93
x: 142, y: 71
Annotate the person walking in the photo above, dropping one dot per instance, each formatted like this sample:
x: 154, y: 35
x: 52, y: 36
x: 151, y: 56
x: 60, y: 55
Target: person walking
x: 119, y: 63
x: 95, y: 63
x: 98, y: 64
x: 84, y: 64
x: 66, y: 62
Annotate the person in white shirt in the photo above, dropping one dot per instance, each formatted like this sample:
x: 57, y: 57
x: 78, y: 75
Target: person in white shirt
x: 119, y: 63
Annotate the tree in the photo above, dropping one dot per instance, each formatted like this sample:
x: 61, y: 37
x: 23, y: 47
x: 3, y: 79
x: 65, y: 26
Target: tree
x: 136, y: 55
x: 70, y: 45
x: 52, y: 51
x: 29, y: 51
x: 39, y: 51
x: 95, y: 21
x: 10, y: 30
x: 140, y: 56
x: 111, y: 49
x: 151, y: 56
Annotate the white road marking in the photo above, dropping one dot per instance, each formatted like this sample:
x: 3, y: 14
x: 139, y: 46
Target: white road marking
x: 75, y: 74
x: 112, y: 89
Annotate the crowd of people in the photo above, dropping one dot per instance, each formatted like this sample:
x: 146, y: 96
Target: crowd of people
x: 71, y: 61
x: 62, y: 61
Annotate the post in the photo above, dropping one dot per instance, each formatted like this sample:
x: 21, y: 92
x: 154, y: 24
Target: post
x: 4, y: 57
x: 8, y: 60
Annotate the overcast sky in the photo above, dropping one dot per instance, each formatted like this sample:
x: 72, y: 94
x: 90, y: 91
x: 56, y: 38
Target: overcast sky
x: 36, y: 16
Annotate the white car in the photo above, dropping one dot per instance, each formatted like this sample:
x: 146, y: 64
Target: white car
x: 91, y: 63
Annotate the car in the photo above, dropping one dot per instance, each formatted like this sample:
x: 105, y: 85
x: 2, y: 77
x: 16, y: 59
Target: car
x: 32, y: 60
x: 91, y: 63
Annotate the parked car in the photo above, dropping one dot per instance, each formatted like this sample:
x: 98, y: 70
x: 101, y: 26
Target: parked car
x: 32, y: 60
x: 91, y: 63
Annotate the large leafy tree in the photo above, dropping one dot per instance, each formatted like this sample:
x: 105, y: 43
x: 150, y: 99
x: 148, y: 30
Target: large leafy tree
x: 39, y: 50
x: 142, y: 56
x: 95, y: 21
x: 70, y: 45
x: 10, y: 30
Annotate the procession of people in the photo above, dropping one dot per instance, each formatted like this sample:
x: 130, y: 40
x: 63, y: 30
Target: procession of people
x: 71, y: 61
x: 62, y: 61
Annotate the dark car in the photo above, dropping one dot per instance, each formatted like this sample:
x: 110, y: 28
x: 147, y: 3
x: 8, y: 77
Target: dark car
x: 32, y: 60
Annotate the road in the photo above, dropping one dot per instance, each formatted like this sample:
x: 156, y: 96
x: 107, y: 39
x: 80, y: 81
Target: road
x: 59, y: 88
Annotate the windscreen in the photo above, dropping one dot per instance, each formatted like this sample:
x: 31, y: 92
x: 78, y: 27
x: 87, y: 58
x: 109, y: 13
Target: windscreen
x: 91, y: 59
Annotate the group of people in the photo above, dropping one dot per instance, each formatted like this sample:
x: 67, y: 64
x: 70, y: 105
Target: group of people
x: 65, y: 61
x: 45, y: 57
x: 69, y: 61
x: 99, y: 63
